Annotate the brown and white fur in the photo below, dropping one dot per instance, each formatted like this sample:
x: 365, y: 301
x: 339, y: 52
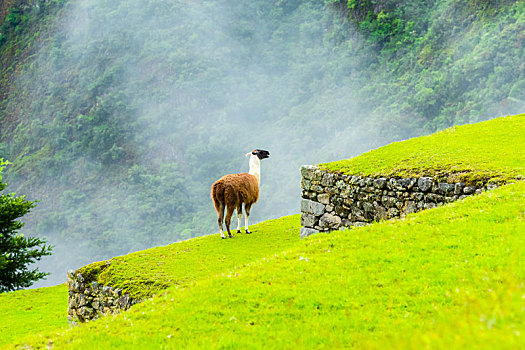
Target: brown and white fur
x: 231, y: 191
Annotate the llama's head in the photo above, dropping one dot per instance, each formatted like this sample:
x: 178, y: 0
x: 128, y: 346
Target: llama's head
x: 260, y: 153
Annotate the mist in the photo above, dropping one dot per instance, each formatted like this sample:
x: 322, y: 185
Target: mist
x: 146, y: 103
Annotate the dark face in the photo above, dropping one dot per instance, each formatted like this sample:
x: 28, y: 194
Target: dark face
x: 261, y: 154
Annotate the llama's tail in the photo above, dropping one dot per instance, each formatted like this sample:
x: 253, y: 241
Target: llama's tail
x: 217, y: 195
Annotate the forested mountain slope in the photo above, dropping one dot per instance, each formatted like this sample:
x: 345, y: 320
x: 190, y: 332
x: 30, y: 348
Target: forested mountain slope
x: 118, y: 115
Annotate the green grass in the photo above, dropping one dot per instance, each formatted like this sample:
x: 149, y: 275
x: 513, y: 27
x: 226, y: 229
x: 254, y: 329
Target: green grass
x: 450, y: 277
x: 489, y: 151
x: 146, y: 272
x: 30, y: 311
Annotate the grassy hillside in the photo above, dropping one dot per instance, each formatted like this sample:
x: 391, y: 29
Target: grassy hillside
x: 491, y: 150
x: 447, y: 277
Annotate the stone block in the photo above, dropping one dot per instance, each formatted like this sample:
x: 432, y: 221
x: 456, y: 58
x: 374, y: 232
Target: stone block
x: 80, y: 278
x: 354, y: 180
x: 429, y: 205
x: 308, y: 171
x: 340, y: 185
x: 380, y: 183
x: 380, y: 212
x: 346, y: 223
x: 328, y: 180
x: 410, y: 207
x: 435, y: 198
x: 307, y: 220
x: 458, y: 188
x: 72, y: 304
x: 406, y: 184
x: 311, y: 207
x: 357, y: 215
x: 86, y: 312
x: 306, y: 184
x: 311, y: 195
x: 361, y: 196
x: 305, y: 232
x: 393, y: 212
x: 317, y: 188
x: 124, y: 302
x: 323, y: 198
x: 342, y: 211
x: 330, y: 221
x: 345, y: 192
x: 368, y: 207
x: 451, y: 199
x: 391, y: 183
x: 418, y: 196
x: 388, y: 201
x: 336, y: 201
x: 332, y: 190
x: 349, y: 202
x: 446, y: 188
x: 424, y: 183
x: 81, y: 300
x: 469, y: 190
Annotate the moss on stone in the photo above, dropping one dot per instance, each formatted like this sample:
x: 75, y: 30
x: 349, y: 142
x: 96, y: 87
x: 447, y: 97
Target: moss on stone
x: 92, y: 271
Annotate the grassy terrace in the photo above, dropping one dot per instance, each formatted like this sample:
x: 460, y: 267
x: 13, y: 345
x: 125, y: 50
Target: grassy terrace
x: 448, y: 277
x: 491, y: 151
x: 146, y: 272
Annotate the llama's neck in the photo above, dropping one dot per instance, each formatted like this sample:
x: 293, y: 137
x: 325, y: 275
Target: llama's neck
x: 255, y: 167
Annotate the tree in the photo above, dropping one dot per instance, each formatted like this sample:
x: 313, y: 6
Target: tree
x: 16, y: 251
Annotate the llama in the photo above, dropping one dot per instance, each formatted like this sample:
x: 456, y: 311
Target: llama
x: 231, y: 191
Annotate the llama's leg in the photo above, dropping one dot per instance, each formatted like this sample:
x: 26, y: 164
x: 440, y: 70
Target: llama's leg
x: 239, y: 218
x: 229, y: 213
x: 220, y: 219
x: 247, y: 210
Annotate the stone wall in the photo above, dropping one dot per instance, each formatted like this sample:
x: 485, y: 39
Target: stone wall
x: 331, y: 201
x: 89, y: 300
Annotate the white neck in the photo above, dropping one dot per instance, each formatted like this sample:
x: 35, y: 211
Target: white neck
x: 255, y: 167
